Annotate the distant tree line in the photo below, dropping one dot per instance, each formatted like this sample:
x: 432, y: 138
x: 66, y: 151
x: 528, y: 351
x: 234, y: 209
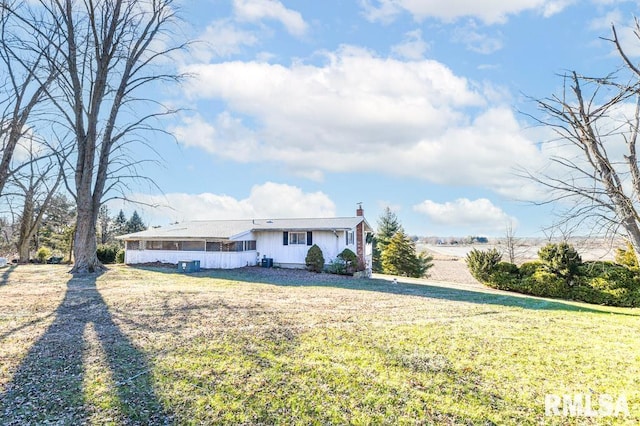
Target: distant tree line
x: 46, y: 229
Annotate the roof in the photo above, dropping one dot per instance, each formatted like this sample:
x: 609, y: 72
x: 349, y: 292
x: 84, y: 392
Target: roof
x: 228, y: 229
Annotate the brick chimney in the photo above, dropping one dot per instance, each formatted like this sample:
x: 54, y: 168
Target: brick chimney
x: 360, y: 238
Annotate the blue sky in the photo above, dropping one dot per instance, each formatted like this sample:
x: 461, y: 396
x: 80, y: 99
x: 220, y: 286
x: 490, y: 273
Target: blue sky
x: 304, y: 108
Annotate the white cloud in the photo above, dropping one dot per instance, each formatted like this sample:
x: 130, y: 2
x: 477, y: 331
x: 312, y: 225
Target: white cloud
x: 269, y: 200
x: 551, y: 8
x: 479, y: 215
x: 359, y: 112
x: 476, y: 41
x: 383, y: 11
x: 226, y: 136
x: 257, y: 10
x: 488, y: 11
x: 413, y: 47
x: 604, y: 22
x: 221, y: 39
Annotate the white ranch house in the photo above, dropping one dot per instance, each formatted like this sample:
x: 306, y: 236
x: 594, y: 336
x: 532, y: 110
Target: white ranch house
x: 236, y: 243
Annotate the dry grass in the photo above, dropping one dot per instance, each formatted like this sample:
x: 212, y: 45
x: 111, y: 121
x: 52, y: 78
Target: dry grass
x: 256, y: 346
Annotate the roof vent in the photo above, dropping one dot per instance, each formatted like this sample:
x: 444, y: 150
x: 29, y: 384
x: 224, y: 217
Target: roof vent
x: 269, y: 221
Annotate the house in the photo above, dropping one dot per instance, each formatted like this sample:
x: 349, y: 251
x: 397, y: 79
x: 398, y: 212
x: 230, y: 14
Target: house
x: 236, y: 243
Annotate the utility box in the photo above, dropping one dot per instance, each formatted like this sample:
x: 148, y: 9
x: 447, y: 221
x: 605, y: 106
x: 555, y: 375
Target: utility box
x: 187, y: 266
x: 267, y: 262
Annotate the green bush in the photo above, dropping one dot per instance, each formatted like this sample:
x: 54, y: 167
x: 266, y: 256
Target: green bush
x: 107, y: 253
x: 508, y: 268
x: 337, y: 266
x: 627, y: 257
x: 529, y: 268
x: 315, y: 259
x: 43, y: 254
x: 504, y: 276
x: 348, y: 256
x: 120, y: 256
x: 600, y: 282
x: 543, y: 283
x: 350, y: 260
x: 482, y: 263
x: 615, y: 276
x: 561, y: 259
x: 345, y: 263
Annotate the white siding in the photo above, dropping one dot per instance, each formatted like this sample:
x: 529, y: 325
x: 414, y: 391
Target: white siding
x: 269, y: 244
x: 208, y: 259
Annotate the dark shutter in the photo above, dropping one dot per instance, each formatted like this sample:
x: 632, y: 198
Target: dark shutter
x: 285, y: 238
x: 346, y: 238
x: 309, y: 238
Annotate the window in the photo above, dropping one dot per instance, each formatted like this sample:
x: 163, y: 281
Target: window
x: 297, y: 238
x: 192, y: 245
x: 214, y: 246
x: 160, y: 245
x: 230, y: 246
x: 176, y: 245
x: 349, y: 235
x: 133, y: 245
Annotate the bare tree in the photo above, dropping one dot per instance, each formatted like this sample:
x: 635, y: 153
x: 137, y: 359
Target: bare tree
x: 510, y: 242
x: 25, y: 78
x: 595, y: 172
x: 109, y: 54
x: 37, y: 184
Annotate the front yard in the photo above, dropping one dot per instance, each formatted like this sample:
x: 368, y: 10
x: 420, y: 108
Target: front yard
x: 150, y: 346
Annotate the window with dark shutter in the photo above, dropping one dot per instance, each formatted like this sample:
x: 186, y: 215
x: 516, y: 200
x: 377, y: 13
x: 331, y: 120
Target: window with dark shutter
x: 285, y: 238
x: 309, y: 238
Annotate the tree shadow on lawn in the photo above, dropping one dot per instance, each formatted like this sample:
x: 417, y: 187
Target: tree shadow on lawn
x: 4, y: 278
x: 302, y: 278
x: 48, y: 385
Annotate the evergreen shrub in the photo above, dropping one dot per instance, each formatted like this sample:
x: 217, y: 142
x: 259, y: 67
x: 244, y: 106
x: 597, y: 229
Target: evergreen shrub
x: 482, y: 263
x: 107, y: 253
x: 315, y: 259
x: 120, y: 256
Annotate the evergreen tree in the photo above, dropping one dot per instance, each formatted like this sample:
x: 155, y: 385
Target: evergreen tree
x: 135, y: 224
x: 105, y: 225
x: 120, y: 224
x: 400, y: 258
x: 56, y: 229
x: 388, y: 225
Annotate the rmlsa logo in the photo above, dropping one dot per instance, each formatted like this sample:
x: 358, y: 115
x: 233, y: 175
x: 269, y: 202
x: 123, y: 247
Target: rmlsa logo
x: 585, y: 405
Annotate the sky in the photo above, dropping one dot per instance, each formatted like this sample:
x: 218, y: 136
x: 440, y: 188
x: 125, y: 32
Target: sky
x: 299, y: 108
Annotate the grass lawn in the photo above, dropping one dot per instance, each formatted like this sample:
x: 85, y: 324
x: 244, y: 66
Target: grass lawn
x: 148, y: 346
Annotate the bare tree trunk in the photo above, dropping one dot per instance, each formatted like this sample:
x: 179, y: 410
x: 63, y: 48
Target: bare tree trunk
x: 85, y: 260
x: 24, y: 238
x: 510, y: 241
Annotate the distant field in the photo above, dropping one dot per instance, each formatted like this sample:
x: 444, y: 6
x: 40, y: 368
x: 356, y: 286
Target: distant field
x: 525, y: 250
x: 258, y: 346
